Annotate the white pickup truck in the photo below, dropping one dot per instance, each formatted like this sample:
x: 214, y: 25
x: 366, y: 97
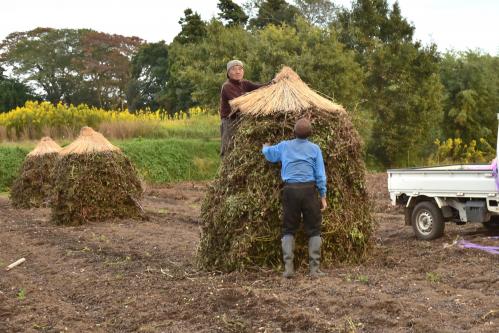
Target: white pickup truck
x: 452, y: 193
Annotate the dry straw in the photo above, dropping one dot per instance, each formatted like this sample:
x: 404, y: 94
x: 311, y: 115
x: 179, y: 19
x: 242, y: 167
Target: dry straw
x: 288, y: 94
x: 45, y: 146
x: 242, y: 210
x: 89, y: 141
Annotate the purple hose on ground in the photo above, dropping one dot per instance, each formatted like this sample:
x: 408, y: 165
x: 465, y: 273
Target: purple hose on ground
x: 468, y: 245
x: 495, y: 173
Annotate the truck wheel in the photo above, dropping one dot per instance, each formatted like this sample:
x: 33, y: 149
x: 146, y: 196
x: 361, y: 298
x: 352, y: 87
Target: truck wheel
x: 427, y: 221
x: 493, y: 224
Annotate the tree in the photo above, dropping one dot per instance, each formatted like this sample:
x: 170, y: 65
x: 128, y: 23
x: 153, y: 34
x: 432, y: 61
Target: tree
x: 105, y: 62
x: 464, y: 114
x: 198, y: 82
x: 73, y: 66
x: 403, y: 91
x: 371, y: 23
x: 150, y: 74
x: 276, y: 12
x: 44, y: 58
x: 193, y: 28
x: 317, y: 12
x: 471, y: 81
x: 405, y: 96
x: 231, y: 13
x: 12, y: 93
x: 396, y: 28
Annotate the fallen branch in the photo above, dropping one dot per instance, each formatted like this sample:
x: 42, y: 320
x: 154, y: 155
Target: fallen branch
x: 14, y: 264
x: 491, y: 312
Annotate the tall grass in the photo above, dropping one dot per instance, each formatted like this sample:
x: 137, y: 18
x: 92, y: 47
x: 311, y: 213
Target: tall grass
x: 11, y: 158
x: 172, y: 160
x: 34, y: 120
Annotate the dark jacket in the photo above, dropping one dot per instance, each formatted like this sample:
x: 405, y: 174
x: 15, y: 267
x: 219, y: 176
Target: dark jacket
x: 232, y: 89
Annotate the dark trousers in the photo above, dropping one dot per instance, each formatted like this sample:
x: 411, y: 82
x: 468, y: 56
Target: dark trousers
x: 227, y: 129
x: 301, y: 199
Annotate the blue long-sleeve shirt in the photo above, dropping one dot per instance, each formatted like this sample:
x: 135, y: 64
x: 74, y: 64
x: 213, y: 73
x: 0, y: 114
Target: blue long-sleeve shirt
x: 301, y: 162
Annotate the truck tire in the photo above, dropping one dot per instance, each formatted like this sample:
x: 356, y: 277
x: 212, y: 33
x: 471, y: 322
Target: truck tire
x: 493, y: 224
x: 427, y: 221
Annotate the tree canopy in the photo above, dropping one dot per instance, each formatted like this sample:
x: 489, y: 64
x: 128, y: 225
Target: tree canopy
x: 73, y: 66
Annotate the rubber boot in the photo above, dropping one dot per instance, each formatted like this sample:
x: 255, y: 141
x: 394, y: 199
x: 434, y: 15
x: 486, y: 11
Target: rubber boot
x: 288, y: 247
x: 314, y: 253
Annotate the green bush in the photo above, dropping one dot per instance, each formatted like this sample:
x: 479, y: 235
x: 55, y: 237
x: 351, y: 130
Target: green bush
x: 452, y: 151
x: 11, y: 159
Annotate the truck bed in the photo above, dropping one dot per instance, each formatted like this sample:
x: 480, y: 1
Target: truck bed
x: 471, y: 181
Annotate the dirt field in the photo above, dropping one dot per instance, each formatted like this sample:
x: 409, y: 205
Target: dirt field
x: 131, y: 276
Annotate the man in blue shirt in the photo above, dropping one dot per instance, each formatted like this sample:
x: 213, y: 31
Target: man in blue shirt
x: 303, y: 173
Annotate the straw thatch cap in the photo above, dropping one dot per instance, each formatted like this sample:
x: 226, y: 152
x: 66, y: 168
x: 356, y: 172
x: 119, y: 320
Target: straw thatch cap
x: 89, y: 141
x: 45, y: 146
x: 288, y: 94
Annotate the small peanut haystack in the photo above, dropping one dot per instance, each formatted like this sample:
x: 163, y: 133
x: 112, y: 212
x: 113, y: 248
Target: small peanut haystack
x: 242, y: 210
x: 33, y: 186
x: 94, y: 181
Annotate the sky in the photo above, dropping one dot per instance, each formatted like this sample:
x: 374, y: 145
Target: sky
x: 451, y: 24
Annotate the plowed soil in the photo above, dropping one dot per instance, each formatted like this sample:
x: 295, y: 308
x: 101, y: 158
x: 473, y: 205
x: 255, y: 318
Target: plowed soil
x: 141, y: 276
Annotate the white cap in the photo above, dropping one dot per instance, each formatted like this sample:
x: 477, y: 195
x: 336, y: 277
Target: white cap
x: 233, y: 63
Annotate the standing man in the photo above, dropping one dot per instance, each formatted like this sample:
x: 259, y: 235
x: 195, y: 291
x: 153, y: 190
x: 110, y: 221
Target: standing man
x: 303, y: 173
x: 234, y: 87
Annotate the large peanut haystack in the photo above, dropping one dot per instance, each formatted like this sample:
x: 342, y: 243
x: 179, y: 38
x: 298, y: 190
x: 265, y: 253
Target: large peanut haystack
x: 242, y: 210
x: 94, y: 181
x: 33, y: 186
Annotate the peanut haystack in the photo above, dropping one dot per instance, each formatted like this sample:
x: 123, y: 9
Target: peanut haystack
x: 94, y: 181
x: 242, y: 210
x: 33, y: 187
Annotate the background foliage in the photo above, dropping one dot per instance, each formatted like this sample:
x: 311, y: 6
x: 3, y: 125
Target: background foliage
x: 402, y: 95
